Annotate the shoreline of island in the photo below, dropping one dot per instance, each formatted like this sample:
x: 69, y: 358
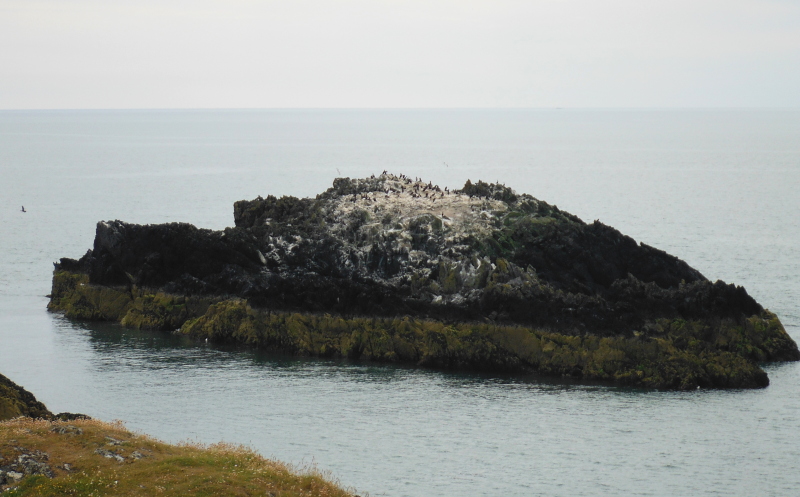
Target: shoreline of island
x: 497, y: 281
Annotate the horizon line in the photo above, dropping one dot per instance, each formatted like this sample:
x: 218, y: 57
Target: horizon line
x: 549, y: 108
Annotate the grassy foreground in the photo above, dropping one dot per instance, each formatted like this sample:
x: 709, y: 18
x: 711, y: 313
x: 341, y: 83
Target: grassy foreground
x: 94, y: 458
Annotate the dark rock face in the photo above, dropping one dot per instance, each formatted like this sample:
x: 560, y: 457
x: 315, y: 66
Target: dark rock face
x: 157, y: 255
x: 392, y: 246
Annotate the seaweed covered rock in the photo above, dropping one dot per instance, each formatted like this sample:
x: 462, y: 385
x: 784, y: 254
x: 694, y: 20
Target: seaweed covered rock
x: 390, y: 246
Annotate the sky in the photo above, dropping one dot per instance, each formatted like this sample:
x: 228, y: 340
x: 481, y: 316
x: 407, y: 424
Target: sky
x: 120, y: 54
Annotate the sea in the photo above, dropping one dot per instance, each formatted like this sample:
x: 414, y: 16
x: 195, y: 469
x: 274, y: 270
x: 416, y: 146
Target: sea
x: 719, y: 189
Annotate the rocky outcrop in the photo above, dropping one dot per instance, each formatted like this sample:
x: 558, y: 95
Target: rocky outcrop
x: 33, y: 463
x: 481, y: 262
x: 15, y: 401
x: 26, y: 463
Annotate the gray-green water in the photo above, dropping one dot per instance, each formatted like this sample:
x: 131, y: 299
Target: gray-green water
x: 716, y: 188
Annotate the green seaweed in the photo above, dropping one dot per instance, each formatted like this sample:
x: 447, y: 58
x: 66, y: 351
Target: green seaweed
x: 673, y: 354
x: 156, y: 312
x: 654, y: 362
x: 73, y: 294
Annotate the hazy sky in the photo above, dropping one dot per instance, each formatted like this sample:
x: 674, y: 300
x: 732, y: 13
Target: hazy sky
x: 374, y: 53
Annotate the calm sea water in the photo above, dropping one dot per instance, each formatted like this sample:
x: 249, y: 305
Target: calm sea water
x: 717, y: 188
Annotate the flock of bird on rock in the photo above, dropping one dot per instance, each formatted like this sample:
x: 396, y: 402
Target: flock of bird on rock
x: 416, y: 189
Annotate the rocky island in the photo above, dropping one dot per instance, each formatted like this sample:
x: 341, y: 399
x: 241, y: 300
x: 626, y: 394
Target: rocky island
x: 394, y: 269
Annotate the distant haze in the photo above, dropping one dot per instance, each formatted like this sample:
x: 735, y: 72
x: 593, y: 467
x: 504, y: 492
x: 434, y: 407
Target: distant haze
x: 373, y: 53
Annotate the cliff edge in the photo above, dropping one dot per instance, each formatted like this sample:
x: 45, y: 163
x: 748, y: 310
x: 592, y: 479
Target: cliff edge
x: 42, y: 454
